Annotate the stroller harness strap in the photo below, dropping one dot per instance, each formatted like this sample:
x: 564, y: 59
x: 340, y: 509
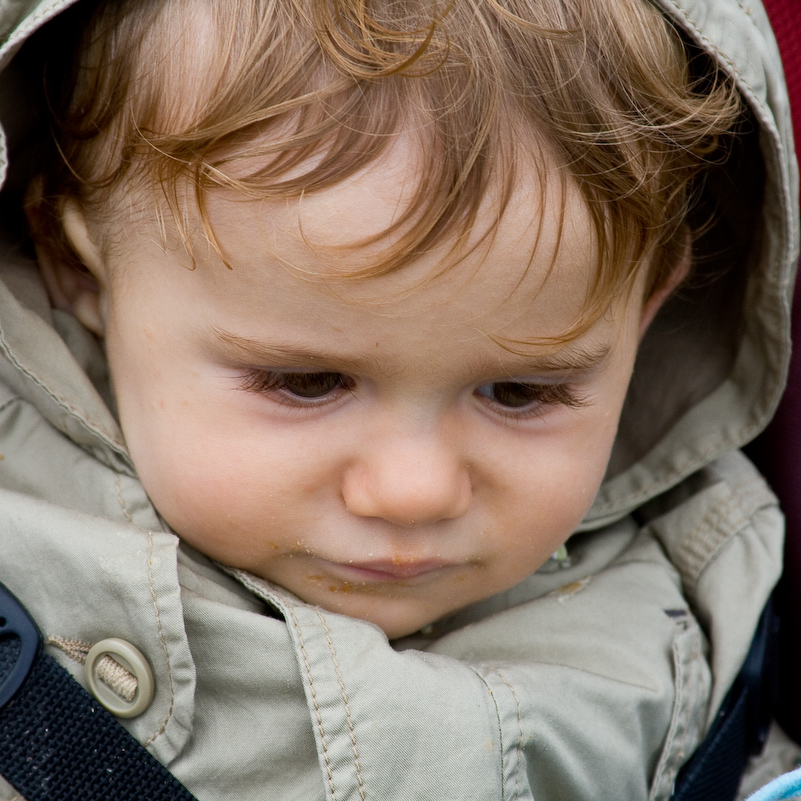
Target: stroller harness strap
x: 57, y: 743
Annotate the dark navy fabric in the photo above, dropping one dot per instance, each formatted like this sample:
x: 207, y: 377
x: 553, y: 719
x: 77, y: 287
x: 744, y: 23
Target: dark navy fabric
x: 58, y: 744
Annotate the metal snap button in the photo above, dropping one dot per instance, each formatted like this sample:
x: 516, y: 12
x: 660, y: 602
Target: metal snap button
x: 119, y: 677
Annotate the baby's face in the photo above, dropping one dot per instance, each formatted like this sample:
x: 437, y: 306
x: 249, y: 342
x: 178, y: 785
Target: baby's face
x: 369, y: 445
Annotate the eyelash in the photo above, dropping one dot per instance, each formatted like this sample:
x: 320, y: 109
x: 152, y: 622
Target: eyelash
x: 273, y: 382
x: 542, y: 397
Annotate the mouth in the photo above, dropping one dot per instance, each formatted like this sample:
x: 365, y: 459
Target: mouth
x: 391, y: 571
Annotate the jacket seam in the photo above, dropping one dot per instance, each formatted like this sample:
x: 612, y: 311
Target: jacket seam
x: 343, y: 692
x: 152, y: 587
x: 317, y: 711
x: 674, y: 739
x: 519, y: 729
x: 120, y: 499
x: 107, y: 436
x: 163, y: 642
x: 711, y: 48
x: 734, y: 514
x: 488, y: 688
x: 701, y: 557
x: 61, y: 400
x: 32, y: 22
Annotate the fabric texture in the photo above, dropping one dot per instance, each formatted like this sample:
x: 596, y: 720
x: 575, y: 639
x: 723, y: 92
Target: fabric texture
x: 783, y: 787
x: 595, y: 680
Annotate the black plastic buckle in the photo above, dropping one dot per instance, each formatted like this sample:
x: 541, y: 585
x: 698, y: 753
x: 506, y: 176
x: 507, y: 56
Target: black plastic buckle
x: 16, y: 623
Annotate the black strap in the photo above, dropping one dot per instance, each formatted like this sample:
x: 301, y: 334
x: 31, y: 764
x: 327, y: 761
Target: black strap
x: 741, y: 727
x: 56, y: 742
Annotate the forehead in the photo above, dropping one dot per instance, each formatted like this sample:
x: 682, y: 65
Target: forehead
x: 522, y: 281
x: 536, y: 253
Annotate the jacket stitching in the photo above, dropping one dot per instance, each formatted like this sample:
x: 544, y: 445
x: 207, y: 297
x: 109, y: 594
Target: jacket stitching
x: 317, y: 712
x: 672, y: 740
x: 697, y: 555
x: 344, y: 694
x: 107, y: 437
x: 163, y: 642
x: 701, y: 557
x: 33, y: 21
x: 151, y: 584
x: 710, y: 46
x: 723, y: 520
x: 500, y: 728
x: 520, y: 730
x: 689, y: 558
x: 120, y: 498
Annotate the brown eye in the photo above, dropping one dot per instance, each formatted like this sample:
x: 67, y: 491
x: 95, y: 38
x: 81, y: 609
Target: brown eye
x: 312, y: 385
x: 513, y: 394
x: 521, y: 398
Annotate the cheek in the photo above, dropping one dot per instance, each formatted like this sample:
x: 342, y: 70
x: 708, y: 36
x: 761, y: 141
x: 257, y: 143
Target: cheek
x: 560, y: 474
x: 549, y: 485
x: 181, y: 470
x: 223, y: 482
x: 216, y: 504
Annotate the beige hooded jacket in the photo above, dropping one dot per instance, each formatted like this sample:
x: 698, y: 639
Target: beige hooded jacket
x: 595, y: 681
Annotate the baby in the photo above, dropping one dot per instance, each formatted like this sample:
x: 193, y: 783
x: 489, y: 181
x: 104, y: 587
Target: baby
x: 371, y: 280
x: 370, y: 319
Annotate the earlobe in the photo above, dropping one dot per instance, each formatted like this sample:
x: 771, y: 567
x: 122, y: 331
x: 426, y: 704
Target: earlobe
x: 71, y: 288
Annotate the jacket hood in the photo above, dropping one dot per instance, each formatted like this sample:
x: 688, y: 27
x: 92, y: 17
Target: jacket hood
x: 710, y: 370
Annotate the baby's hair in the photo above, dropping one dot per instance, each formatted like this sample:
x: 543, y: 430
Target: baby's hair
x: 280, y: 98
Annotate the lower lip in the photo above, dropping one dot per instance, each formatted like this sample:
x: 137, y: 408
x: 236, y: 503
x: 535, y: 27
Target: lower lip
x: 401, y: 574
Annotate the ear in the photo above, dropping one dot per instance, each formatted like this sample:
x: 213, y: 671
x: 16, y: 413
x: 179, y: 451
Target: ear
x: 77, y: 288
x: 655, y: 301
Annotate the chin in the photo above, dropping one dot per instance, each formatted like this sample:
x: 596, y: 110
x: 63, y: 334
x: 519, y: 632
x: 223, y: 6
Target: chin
x: 396, y: 623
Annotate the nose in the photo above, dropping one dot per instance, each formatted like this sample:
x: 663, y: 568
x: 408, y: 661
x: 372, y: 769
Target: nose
x: 408, y: 482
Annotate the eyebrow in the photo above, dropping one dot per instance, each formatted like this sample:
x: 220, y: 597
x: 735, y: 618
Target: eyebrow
x: 571, y: 359
x: 261, y: 353
x: 577, y: 358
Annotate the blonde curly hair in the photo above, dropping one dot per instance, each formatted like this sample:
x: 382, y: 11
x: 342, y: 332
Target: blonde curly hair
x: 277, y: 98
